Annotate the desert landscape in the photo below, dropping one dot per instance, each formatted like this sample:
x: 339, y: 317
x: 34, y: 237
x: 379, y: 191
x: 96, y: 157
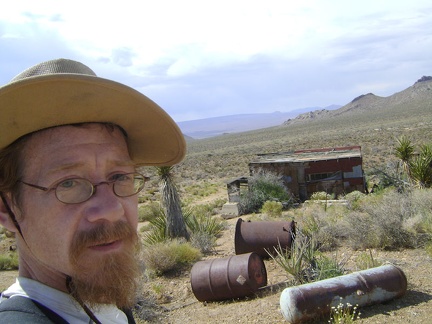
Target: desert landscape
x: 372, y: 122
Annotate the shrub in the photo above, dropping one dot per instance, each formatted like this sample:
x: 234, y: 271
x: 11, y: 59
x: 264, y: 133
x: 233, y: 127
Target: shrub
x: 325, y: 267
x: 354, y: 199
x: 381, y: 223
x: 9, y: 261
x: 148, y: 212
x: 169, y: 256
x: 272, y: 208
x: 323, y: 224
x: 203, y: 241
x: 157, y: 230
x: 428, y: 248
x: 305, y: 262
x: 204, y: 228
x: 262, y: 186
x: 322, y: 195
x: 203, y: 223
x: 422, y: 210
x: 365, y: 260
x: 295, y: 260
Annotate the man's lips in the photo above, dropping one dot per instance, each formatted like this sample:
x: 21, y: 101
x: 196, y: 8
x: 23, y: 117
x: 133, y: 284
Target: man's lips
x: 106, y: 246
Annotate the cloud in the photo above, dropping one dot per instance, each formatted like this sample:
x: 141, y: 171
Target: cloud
x: 211, y: 58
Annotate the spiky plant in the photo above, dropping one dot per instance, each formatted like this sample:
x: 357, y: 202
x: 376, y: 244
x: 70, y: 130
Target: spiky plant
x: 176, y: 226
x: 404, y: 152
x: 421, y: 167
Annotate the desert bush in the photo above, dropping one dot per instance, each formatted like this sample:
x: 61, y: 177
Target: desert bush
x: 360, y: 231
x: 201, y: 223
x: 422, y: 211
x: 148, y: 211
x: 210, y: 208
x: 9, y: 261
x: 202, y: 189
x: 325, y: 267
x: 157, y: 230
x: 381, y: 223
x: 204, y: 227
x: 296, y: 259
x: 305, y: 262
x: 323, y: 224
x: 322, y: 195
x: 365, y: 260
x: 169, y: 256
x: 203, y: 241
x: 263, y: 186
x: 272, y: 208
x: 428, y: 248
x: 354, y: 198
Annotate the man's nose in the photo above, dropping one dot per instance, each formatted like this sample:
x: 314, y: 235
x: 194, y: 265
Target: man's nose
x: 104, y: 205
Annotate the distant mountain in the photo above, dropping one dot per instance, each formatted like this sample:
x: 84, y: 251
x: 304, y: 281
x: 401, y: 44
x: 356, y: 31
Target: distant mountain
x: 209, y: 127
x: 416, y: 97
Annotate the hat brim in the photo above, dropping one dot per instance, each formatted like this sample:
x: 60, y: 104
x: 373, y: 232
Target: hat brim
x: 45, y: 101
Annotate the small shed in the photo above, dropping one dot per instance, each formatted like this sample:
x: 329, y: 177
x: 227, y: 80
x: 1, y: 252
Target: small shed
x: 337, y: 170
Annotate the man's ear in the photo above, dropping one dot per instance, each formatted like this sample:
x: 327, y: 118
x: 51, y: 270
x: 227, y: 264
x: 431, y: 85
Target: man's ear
x: 5, y: 218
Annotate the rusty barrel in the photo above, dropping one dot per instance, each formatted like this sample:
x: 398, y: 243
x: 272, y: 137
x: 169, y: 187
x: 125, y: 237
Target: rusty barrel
x: 362, y: 288
x: 261, y: 236
x: 226, y: 278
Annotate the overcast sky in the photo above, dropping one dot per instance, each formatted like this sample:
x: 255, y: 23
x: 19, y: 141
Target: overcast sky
x: 200, y: 59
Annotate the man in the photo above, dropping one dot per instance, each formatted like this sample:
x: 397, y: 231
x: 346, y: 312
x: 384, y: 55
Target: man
x: 70, y: 145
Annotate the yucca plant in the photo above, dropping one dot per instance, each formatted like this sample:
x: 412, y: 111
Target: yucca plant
x: 157, y: 232
x: 175, y: 224
x: 202, y: 223
x: 421, y: 167
x: 404, y: 152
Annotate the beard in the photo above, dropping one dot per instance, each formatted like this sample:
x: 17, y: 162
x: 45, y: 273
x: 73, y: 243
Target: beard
x: 110, y: 278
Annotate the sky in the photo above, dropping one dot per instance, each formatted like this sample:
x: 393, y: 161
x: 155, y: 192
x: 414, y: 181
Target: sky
x: 202, y: 58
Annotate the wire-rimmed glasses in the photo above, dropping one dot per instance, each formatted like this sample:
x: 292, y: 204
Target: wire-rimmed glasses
x: 79, y: 190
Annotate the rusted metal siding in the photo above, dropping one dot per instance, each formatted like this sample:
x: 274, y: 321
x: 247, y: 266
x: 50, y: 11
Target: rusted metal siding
x: 344, y: 165
x: 334, y: 170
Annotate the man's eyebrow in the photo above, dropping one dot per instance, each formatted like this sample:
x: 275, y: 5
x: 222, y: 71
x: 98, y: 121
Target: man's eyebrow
x: 75, y: 165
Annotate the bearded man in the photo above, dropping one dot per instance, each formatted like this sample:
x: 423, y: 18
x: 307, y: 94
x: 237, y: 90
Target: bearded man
x: 71, y: 144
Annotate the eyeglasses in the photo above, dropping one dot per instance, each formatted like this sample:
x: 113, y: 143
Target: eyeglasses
x: 79, y: 190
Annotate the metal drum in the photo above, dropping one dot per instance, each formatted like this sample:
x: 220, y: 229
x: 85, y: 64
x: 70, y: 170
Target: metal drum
x: 226, y: 278
x: 367, y: 287
x: 261, y: 236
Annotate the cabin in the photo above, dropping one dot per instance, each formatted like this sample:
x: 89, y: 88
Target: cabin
x: 337, y: 170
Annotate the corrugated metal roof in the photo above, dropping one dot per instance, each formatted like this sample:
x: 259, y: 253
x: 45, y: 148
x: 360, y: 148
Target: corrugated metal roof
x: 310, y: 155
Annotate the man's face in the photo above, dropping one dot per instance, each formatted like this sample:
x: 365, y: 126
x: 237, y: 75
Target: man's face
x: 85, y: 241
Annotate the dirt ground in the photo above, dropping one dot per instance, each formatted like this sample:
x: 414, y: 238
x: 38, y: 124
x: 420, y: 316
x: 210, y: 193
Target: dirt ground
x: 171, y: 300
x: 177, y: 303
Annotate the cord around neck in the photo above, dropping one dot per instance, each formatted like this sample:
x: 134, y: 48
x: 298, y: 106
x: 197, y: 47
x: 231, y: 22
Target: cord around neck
x: 70, y: 288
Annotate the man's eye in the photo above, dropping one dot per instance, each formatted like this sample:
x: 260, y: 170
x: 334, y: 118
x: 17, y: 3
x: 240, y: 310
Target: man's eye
x: 69, y: 183
x: 121, y: 177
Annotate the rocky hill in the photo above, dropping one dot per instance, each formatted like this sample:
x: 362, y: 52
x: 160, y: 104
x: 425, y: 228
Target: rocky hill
x: 417, y: 97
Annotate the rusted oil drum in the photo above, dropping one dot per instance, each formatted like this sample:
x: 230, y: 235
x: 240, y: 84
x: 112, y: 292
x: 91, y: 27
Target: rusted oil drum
x: 362, y: 288
x: 261, y: 236
x: 226, y: 278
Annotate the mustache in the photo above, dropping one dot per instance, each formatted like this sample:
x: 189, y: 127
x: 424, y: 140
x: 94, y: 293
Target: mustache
x: 102, y: 234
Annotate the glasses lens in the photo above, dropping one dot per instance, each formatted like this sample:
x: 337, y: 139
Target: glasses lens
x: 128, y: 184
x: 74, y: 191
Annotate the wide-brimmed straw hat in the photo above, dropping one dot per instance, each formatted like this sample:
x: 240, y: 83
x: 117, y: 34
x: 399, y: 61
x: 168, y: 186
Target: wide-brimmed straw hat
x: 63, y: 92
